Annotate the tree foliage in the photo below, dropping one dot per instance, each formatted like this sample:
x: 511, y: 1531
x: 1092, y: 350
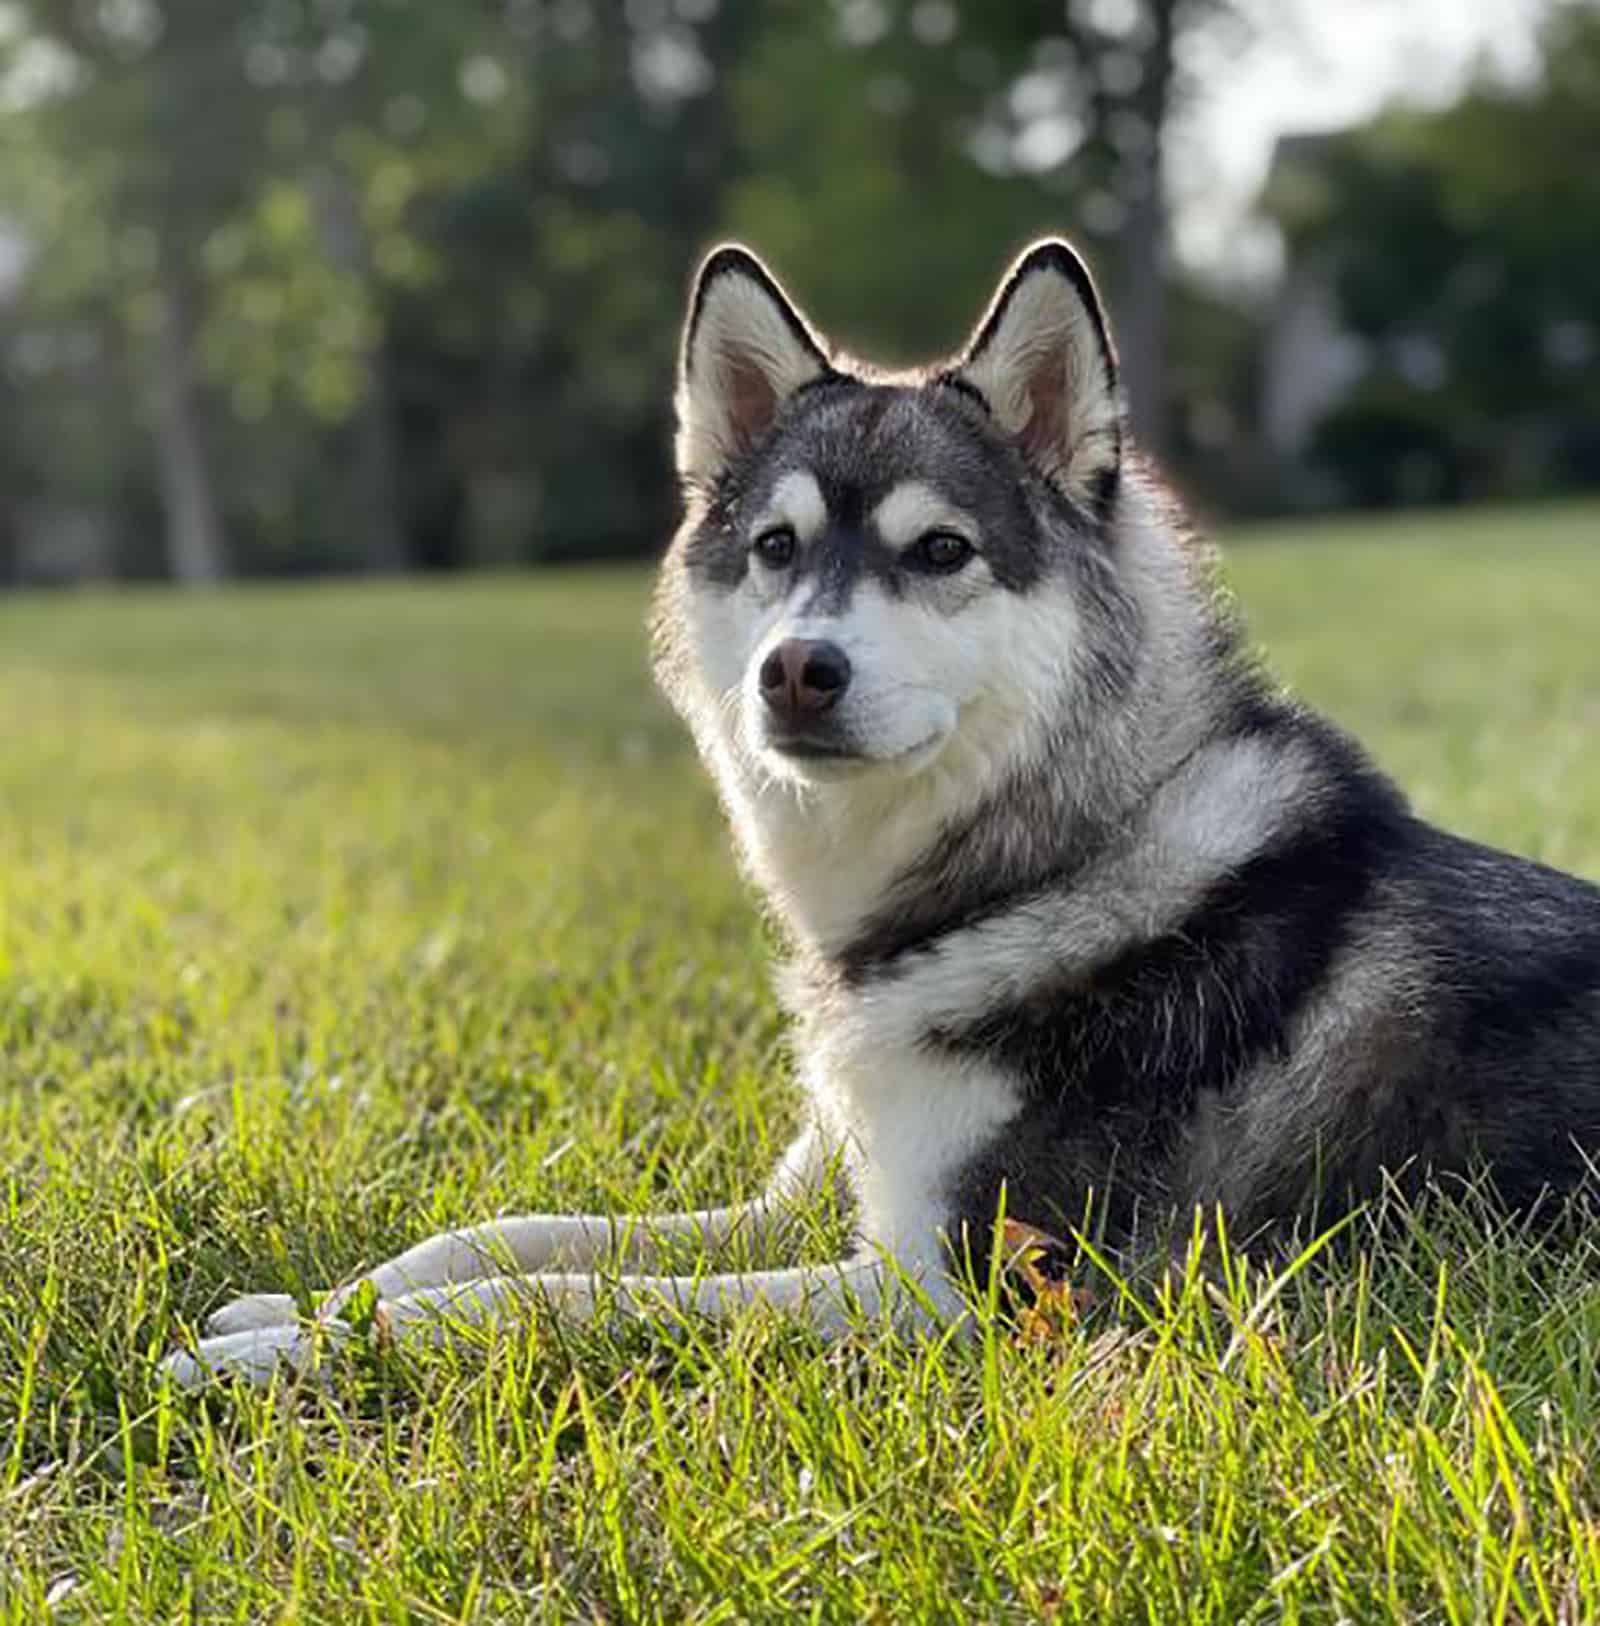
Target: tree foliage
x: 335, y: 284
x: 1462, y: 246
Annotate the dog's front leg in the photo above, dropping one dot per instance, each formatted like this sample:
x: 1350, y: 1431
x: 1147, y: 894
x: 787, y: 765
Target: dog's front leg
x: 830, y: 1299
x: 251, y: 1333
x: 553, y: 1244
x: 514, y: 1245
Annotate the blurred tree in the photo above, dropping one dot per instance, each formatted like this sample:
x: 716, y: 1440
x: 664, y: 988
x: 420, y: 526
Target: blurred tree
x: 335, y: 284
x: 1013, y: 119
x: 849, y: 186
x: 1091, y: 110
x: 1460, y: 246
x: 117, y: 195
x: 369, y: 109
x: 428, y: 261
x: 533, y: 368
x: 236, y: 184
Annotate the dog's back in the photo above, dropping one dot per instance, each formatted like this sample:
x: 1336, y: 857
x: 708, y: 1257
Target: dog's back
x: 1365, y: 1001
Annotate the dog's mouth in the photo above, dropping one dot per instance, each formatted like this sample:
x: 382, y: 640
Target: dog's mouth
x: 809, y: 748
x: 828, y: 756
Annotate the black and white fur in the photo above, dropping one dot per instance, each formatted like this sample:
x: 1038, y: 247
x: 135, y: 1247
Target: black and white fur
x: 1080, y: 908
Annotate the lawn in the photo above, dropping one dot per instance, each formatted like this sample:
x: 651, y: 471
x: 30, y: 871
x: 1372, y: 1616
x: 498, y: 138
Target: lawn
x: 331, y: 916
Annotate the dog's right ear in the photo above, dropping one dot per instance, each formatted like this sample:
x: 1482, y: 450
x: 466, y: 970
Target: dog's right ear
x: 746, y: 349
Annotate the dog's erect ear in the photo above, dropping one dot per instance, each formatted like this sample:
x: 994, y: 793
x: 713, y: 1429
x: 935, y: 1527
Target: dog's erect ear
x: 745, y: 350
x: 1043, y: 361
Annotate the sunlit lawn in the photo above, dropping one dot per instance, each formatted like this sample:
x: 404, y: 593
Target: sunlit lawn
x: 331, y: 916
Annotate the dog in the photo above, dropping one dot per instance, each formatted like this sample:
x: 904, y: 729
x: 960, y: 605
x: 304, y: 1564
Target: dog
x: 1082, y: 913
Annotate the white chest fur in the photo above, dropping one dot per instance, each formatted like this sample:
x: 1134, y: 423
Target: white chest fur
x: 906, y: 1119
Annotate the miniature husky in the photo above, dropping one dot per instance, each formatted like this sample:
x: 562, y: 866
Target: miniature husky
x: 1081, y: 911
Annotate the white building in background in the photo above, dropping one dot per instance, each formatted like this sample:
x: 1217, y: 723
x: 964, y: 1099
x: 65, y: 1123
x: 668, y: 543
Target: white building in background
x: 1309, y: 362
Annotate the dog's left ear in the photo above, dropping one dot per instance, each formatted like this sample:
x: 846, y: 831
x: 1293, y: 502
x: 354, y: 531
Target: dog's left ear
x: 1043, y: 362
x: 746, y: 349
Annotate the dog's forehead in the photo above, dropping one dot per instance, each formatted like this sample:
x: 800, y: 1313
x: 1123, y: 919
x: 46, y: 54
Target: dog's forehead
x: 862, y: 442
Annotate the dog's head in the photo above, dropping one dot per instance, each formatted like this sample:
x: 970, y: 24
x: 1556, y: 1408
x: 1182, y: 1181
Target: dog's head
x: 872, y: 565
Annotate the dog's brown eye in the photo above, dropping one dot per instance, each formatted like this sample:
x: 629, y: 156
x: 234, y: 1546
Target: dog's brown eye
x: 775, y: 547
x: 939, y: 551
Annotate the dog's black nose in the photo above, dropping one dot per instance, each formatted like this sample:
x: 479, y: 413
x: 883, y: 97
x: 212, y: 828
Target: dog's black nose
x: 803, y: 677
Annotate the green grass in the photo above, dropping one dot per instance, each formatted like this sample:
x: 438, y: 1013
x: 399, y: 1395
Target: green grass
x: 330, y: 917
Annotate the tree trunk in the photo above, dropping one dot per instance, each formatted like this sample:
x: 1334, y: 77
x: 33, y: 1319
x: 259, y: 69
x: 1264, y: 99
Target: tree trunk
x: 197, y: 551
x: 373, y: 475
x: 372, y: 501
x: 1142, y: 324
x: 8, y: 544
x: 1142, y: 320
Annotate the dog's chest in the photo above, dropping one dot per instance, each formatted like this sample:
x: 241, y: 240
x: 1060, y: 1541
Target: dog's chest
x: 906, y: 1117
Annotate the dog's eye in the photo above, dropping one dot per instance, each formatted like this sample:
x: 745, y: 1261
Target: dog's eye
x: 775, y: 546
x: 941, y: 552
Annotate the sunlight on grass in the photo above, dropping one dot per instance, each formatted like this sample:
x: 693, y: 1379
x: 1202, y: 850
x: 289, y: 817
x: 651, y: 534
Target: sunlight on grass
x: 328, y: 918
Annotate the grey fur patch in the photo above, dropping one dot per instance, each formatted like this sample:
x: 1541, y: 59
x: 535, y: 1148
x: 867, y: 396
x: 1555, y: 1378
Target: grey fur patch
x: 861, y: 441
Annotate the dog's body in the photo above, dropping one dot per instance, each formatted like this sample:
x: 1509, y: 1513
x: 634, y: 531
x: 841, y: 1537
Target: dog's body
x: 1082, y: 912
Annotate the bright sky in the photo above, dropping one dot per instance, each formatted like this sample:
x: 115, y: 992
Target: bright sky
x: 1316, y: 65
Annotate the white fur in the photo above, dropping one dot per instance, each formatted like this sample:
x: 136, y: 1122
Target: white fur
x: 831, y: 1298
x: 1047, y: 343
x: 907, y: 1121
x: 505, y: 1269
x: 740, y: 327
x: 912, y: 509
x: 941, y: 704
x: 796, y: 501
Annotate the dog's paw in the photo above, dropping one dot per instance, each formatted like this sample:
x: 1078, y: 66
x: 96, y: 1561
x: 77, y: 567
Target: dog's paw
x: 254, y: 1355
x: 251, y: 1312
